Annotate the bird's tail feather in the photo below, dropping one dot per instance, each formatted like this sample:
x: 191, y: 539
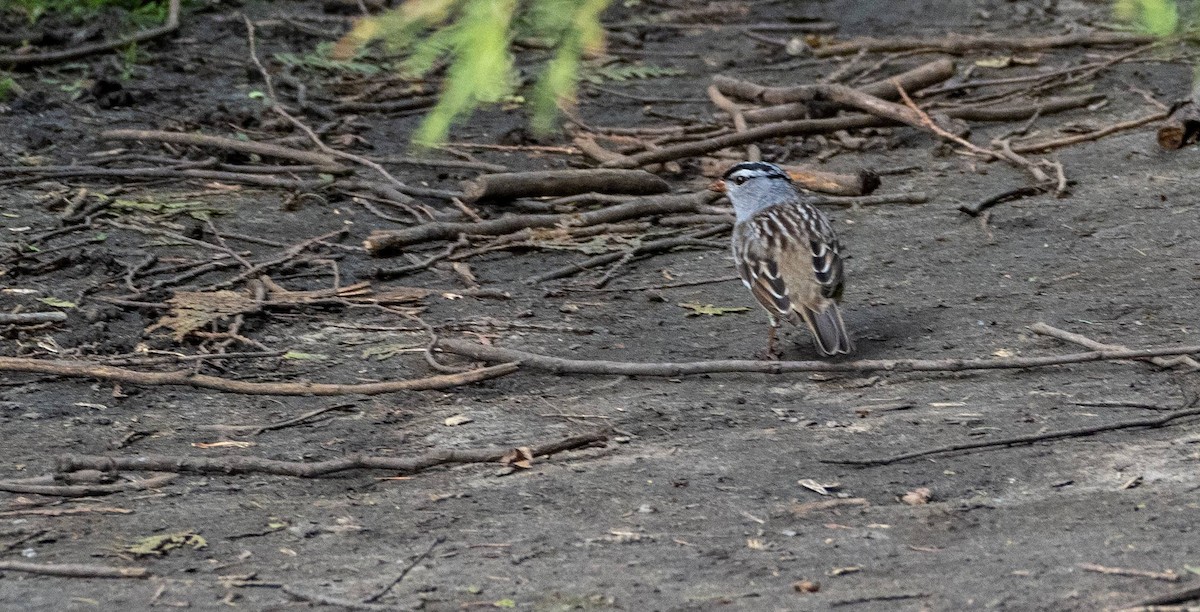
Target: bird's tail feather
x: 828, y: 330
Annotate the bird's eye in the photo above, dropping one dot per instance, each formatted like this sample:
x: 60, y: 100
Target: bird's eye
x: 739, y: 180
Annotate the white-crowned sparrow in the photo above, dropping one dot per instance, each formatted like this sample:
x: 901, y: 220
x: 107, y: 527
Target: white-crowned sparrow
x: 786, y: 253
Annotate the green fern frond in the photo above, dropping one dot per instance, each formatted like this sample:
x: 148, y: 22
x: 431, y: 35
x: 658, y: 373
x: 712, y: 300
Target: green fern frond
x: 475, y: 36
x: 1158, y: 17
x: 582, y: 34
x: 427, y: 52
x: 481, y: 69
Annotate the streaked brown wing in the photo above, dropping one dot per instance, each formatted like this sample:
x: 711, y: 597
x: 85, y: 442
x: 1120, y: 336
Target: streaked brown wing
x: 788, y: 256
x: 826, y: 256
x: 759, y: 270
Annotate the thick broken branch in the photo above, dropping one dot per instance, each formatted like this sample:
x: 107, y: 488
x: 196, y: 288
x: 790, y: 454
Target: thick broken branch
x: 512, y: 185
x: 860, y: 183
x: 855, y: 183
x: 254, y: 465
x: 79, y: 369
x: 389, y: 242
x: 1181, y: 127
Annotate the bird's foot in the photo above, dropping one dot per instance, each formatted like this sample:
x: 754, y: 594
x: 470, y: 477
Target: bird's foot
x: 771, y: 353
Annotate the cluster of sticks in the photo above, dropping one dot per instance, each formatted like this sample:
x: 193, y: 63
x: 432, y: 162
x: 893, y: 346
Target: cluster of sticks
x: 801, y: 110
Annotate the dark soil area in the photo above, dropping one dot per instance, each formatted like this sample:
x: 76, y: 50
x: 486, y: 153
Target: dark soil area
x: 711, y: 492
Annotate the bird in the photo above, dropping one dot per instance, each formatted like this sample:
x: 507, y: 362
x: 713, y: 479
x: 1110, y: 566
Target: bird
x: 787, y: 254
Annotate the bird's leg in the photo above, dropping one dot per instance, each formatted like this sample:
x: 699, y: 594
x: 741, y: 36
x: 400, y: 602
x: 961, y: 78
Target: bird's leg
x: 772, y: 353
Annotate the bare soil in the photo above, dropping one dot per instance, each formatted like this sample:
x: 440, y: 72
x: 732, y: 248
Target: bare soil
x: 696, y: 501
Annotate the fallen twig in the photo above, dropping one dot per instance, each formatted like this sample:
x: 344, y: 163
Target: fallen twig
x: 544, y: 183
x: 392, y: 106
x: 881, y: 597
x: 976, y: 208
x: 80, y: 369
x: 908, y: 197
x: 958, y: 43
x: 430, y: 162
x: 559, y: 365
x: 29, y: 60
x: 254, y: 465
x: 255, y: 430
x: 753, y: 153
x: 31, y: 318
x: 802, y: 127
x: 654, y: 246
x: 326, y: 163
x: 1180, y: 596
x: 1162, y: 362
x: 1024, y: 440
x: 404, y: 572
x: 179, y: 173
x: 65, y: 511
x: 329, y: 600
x: 1058, y: 143
x: 1169, y: 575
x: 74, y: 570
x: 85, y: 490
x: 382, y: 243
x: 392, y: 182
x: 917, y: 78
x: 287, y: 255
x: 1017, y: 112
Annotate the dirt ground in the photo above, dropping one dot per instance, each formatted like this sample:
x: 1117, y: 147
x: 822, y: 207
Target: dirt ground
x: 697, y: 500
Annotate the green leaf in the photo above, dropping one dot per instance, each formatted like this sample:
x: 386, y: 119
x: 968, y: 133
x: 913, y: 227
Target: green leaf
x: 161, y: 544
x: 57, y: 303
x: 710, y: 310
x: 1193, y: 569
x: 297, y: 355
x: 505, y: 603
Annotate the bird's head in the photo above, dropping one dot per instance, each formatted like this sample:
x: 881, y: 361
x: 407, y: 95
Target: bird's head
x: 753, y: 186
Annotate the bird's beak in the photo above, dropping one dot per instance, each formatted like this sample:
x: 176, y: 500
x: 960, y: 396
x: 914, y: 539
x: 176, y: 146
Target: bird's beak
x: 717, y: 186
